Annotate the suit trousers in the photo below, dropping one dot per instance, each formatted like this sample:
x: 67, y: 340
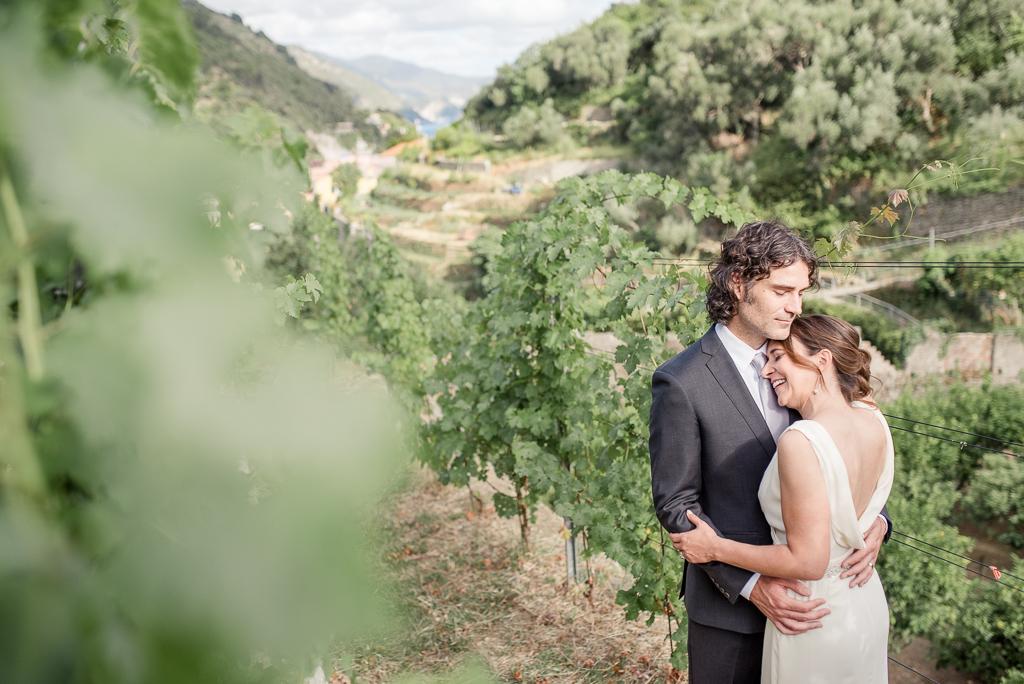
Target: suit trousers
x: 719, y: 656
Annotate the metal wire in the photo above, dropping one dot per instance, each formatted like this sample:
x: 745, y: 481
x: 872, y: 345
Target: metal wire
x: 962, y: 567
x: 962, y: 432
x: 919, y: 674
x: 954, y: 553
x: 962, y: 445
x: 1014, y: 265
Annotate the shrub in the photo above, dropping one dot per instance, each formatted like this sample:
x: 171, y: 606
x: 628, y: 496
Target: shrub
x: 994, y: 498
x: 535, y: 126
x: 346, y: 179
x: 987, y: 639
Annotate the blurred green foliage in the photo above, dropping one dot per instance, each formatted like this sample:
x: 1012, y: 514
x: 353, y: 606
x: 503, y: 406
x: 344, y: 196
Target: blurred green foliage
x: 187, y: 486
x: 401, y: 187
x: 460, y: 140
x: 393, y: 128
x: 255, y: 128
x: 147, y: 43
x: 346, y: 179
x: 535, y: 125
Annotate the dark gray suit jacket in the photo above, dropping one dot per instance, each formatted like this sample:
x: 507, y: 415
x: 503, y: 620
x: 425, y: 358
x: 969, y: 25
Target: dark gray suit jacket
x: 709, y: 448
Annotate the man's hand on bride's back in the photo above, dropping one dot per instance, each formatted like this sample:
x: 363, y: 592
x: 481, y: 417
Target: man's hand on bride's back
x: 789, y: 615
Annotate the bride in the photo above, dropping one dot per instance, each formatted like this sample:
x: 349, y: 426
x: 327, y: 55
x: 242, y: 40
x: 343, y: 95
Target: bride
x: 828, y: 480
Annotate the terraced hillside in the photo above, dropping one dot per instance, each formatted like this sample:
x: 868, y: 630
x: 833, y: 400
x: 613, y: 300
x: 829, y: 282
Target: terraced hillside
x: 436, y: 214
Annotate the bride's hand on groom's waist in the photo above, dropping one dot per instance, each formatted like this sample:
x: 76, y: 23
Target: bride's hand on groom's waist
x: 699, y: 544
x: 860, y: 564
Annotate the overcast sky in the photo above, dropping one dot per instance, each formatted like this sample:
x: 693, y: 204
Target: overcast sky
x: 469, y: 37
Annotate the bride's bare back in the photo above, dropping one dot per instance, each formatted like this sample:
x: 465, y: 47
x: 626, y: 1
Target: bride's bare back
x: 861, y: 442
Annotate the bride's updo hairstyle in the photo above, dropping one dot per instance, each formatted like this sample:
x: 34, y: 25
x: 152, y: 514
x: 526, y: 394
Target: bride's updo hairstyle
x: 852, y: 364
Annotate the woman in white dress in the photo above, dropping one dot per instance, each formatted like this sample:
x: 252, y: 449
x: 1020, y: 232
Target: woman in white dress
x: 828, y: 481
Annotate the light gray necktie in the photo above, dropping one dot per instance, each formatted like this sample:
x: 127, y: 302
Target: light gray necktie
x: 775, y: 416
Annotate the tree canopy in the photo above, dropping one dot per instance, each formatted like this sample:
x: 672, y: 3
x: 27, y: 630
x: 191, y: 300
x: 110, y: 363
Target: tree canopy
x: 802, y: 100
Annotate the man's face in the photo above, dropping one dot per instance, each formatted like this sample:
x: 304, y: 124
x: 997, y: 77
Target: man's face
x: 768, y: 306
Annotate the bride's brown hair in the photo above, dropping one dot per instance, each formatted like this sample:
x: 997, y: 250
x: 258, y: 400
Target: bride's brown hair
x: 853, y: 364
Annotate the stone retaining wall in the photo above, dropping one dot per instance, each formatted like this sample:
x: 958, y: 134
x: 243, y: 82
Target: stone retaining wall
x: 969, y: 354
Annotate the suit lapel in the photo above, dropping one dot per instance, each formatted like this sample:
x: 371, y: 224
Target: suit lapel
x: 724, y: 371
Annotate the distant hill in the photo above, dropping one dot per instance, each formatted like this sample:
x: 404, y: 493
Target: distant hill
x: 417, y: 85
x: 368, y: 93
x: 429, y: 97
x: 241, y: 67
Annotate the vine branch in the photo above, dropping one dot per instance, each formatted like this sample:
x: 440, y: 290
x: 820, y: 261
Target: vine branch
x: 29, y: 320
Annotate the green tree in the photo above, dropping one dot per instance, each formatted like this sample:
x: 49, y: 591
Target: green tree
x: 535, y: 126
x: 346, y: 179
x: 989, y: 297
x: 806, y: 104
x: 987, y: 33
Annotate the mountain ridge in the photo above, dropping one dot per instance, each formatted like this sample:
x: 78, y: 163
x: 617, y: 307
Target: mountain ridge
x: 241, y: 67
x: 430, y: 98
x: 368, y: 93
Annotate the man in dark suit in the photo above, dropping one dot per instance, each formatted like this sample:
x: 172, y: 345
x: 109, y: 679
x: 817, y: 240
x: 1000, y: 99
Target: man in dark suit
x: 714, y: 424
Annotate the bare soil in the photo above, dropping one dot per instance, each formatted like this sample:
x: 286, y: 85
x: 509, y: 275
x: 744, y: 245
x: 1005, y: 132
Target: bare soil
x: 468, y: 589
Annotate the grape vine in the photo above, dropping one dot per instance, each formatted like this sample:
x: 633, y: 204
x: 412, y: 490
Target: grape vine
x: 525, y: 393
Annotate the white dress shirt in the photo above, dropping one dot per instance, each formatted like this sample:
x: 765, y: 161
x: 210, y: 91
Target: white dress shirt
x: 742, y: 354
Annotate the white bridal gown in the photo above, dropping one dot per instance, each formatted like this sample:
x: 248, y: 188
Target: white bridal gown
x: 852, y: 643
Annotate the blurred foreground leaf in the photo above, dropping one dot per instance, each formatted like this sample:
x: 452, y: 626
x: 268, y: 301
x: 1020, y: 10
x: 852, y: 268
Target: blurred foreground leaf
x: 210, y: 480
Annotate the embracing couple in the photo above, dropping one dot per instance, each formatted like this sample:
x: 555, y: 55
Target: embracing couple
x: 770, y: 468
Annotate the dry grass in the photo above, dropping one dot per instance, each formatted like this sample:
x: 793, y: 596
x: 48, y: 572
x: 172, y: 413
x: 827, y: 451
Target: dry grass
x: 467, y: 589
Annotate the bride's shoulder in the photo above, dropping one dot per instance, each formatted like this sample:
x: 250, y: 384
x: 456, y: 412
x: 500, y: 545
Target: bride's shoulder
x: 798, y: 436
x: 866, y: 402
x: 868, y: 412
x: 804, y: 426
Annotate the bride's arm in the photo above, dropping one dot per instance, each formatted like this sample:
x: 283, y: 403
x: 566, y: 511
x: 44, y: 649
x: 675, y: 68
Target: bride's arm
x: 805, y: 512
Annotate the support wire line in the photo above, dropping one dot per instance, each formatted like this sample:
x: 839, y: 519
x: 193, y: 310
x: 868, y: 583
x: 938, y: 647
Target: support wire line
x: 962, y: 567
x: 954, y: 553
x: 962, y: 444
x: 962, y: 432
x: 919, y: 674
x: 1012, y: 265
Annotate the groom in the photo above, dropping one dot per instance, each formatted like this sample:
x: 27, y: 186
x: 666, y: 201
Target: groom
x: 714, y: 424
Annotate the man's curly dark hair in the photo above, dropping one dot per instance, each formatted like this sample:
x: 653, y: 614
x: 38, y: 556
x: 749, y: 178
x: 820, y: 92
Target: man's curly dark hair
x: 758, y: 248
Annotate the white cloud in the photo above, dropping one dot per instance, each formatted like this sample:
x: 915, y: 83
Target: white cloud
x: 470, y: 37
